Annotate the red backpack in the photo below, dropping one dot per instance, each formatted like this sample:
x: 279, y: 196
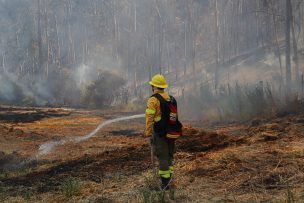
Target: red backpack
x: 169, y: 126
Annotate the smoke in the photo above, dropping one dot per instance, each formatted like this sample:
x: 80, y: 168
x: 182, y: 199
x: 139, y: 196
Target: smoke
x: 85, y: 74
x: 14, y: 90
x: 70, y: 58
x: 79, y: 40
x: 8, y: 88
x: 90, y: 72
x: 252, y: 87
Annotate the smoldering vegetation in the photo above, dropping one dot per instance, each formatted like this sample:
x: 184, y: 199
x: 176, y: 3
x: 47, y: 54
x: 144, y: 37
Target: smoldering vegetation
x: 251, y: 90
x: 239, y: 103
x: 225, y: 60
x: 45, y: 61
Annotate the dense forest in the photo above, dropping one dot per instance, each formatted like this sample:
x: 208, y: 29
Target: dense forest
x: 98, y: 53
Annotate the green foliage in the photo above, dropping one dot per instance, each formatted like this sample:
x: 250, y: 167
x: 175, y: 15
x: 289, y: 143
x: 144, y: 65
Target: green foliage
x: 70, y: 187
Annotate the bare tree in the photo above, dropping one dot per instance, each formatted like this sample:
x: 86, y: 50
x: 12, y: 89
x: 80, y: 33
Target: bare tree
x: 216, y: 28
x: 287, y: 43
x: 295, y: 47
x: 40, y: 53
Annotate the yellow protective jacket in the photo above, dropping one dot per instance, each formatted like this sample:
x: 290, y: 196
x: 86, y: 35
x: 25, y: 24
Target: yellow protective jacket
x: 153, y: 112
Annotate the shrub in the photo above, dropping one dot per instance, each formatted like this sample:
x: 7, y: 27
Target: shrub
x: 70, y: 187
x: 101, y: 92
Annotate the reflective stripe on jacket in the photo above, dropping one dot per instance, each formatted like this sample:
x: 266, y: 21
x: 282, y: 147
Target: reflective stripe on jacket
x: 153, y: 112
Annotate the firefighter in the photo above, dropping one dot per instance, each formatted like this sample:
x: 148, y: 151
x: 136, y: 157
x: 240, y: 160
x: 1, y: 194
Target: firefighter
x: 156, y: 128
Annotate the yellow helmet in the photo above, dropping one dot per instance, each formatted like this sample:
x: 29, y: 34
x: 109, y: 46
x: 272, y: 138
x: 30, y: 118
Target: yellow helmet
x: 159, y: 81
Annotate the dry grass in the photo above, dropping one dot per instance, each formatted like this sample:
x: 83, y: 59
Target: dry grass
x: 228, y: 164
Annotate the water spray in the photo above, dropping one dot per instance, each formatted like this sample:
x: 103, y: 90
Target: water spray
x: 48, y: 147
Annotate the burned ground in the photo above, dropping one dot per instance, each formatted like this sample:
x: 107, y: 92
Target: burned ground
x: 22, y: 114
x: 95, y: 168
x: 242, y: 162
x: 127, y: 161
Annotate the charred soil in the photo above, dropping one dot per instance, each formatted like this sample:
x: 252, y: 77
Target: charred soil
x: 240, y: 163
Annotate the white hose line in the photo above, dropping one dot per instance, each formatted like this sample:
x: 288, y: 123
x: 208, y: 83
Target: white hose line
x: 48, y: 147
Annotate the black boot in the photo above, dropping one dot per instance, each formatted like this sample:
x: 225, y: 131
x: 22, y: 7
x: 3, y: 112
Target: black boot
x: 165, y: 183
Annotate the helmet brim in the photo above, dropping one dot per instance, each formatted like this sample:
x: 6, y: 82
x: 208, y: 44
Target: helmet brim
x: 159, y: 86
